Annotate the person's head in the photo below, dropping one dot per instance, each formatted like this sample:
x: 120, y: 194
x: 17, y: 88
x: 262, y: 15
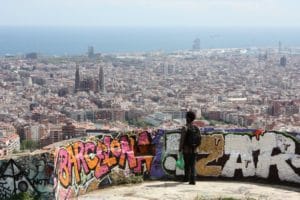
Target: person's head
x: 190, y: 116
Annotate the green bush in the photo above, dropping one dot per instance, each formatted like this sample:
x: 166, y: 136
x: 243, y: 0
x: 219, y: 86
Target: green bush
x: 24, y: 196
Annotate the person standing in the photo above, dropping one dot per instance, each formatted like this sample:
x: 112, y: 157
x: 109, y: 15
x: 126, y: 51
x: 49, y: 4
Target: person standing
x: 190, y: 139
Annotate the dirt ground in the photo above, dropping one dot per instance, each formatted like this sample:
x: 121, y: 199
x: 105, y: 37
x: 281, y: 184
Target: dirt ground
x: 161, y: 190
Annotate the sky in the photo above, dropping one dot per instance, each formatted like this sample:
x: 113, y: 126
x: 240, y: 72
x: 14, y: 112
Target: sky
x: 150, y: 13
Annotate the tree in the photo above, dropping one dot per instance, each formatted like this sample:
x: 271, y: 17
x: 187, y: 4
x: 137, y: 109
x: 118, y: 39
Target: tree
x: 29, y: 144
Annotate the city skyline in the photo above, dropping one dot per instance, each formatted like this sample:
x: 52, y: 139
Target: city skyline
x: 97, y: 93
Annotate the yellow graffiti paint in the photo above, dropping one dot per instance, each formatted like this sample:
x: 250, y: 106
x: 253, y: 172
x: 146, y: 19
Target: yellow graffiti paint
x: 213, y: 145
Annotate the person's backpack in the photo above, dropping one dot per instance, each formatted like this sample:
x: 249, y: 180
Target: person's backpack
x: 193, y: 137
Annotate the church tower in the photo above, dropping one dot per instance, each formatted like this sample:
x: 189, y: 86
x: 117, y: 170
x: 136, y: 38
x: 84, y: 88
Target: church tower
x: 77, y: 79
x: 101, y: 79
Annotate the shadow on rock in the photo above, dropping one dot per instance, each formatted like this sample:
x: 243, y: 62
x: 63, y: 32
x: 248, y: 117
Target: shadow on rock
x: 165, y: 185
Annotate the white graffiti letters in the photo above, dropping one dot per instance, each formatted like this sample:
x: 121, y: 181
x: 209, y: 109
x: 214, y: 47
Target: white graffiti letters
x: 239, y: 148
x: 274, y: 150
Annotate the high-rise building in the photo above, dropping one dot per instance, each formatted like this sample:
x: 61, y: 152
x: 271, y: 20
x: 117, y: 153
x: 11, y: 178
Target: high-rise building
x: 283, y: 61
x: 196, y: 44
x: 165, y: 68
x: 91, y: 52
x: 77, y: 80
x: 68, y: 131
x: 101, y: 79
x: 32, y: 55
x: 279, y: 47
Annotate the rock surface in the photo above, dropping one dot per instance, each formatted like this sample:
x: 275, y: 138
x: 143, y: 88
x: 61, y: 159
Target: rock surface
x: 161, y: 190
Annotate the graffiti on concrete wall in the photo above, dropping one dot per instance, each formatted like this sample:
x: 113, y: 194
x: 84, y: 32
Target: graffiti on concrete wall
x: 88, y: 165
x: 268, y: 155
x: 213, y: 147
x: 13, y: 181
x: 32, y: 174
x: 82, y: 166
x: 85, y: 164
x: 172, y: 140
x: 157, y: 170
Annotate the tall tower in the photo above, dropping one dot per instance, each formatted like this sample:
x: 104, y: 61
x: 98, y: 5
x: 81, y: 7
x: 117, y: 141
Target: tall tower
x: 77, y: 79
x: 283, y: 61
x: 91, y: 52
x: 196, y: 44
x: 101, y: 79
x: 279, y: 47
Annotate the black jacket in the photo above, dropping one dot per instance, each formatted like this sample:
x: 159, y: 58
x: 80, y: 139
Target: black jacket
x: 185, y: 148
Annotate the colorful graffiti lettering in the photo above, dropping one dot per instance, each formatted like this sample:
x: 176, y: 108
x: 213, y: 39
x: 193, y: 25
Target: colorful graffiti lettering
x: 83, y: 166
x: 262, y: 154
x: 100, y: 157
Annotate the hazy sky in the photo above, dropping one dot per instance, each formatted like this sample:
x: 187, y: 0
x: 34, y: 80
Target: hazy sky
x: 150, y: 12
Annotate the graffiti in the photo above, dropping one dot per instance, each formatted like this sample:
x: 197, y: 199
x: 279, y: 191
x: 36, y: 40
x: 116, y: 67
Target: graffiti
x: 81, y: 157
x: 40, y: 172
x: 65, y: 194
x: 32, y: 174
x: 157, y: 166
x: 274, y: 150
x: 13, y: 181
x: 261, y: 154
x: 258, y: 133
x: 172, y: 142
x: 239, y: 148
x: 213, y: 146
x: 84, y: 162
x: 87, y: 165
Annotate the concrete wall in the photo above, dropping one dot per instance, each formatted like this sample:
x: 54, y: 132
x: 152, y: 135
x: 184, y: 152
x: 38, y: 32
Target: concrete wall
x: 32, y: 173
x: 83, y: 166
x: 87, y: 165
x: 270, y: 155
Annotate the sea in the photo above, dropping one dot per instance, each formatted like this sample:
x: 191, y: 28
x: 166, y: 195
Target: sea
x: 61, y: 41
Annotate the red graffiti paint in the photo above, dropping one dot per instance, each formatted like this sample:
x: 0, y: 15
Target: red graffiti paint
x: 101, y: 156
x: 109, y: 159
x: 144, y: 138
x: 127, y: 152
x: 257, y: 133
x: 140, y: 161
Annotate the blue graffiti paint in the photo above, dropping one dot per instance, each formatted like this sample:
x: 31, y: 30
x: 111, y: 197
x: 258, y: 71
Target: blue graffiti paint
x: 157, y: 167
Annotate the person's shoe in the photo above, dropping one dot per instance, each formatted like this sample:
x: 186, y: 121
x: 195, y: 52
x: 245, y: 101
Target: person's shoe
x: 184, y: 180
x: 192, y: 183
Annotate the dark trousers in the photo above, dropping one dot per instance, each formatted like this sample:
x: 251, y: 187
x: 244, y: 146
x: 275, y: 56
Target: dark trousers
x: 189, y: 166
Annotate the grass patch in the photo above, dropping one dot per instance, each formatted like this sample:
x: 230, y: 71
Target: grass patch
x: 119, y: 178
x: 24, y: 196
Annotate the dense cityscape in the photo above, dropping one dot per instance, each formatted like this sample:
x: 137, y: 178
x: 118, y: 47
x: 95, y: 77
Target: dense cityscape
x: 160, y: 99
x: 49, y: 99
